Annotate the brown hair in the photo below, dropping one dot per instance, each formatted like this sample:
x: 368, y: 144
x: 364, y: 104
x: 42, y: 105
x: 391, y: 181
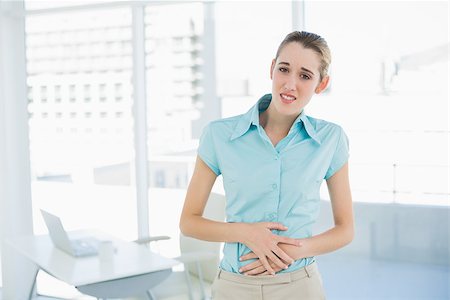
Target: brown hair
x: 310, y: 41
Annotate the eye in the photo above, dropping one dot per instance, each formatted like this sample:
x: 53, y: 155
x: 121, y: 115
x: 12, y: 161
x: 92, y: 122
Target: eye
x: 304, y: 76
x: 283, y: 69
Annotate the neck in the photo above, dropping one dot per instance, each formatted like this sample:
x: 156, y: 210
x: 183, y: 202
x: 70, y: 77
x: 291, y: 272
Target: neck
x: 271, y: 120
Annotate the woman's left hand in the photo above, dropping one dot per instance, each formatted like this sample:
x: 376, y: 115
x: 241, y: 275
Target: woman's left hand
x: 257, y: 268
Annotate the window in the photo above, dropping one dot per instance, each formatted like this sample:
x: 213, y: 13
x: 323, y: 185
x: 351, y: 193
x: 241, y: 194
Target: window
x: 172, y: 39
x: 73, y: 139
x: 30, y: 94
x: 102, y: 92
x: 43, y: 94
x: 390, y: 94
x: 245, y: 50
x: 72, y: 93
x: 118, y: 92
x: 87, y: 93
x: 58, y: 96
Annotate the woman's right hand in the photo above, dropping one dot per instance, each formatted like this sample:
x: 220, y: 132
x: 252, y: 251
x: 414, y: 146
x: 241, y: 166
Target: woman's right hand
x: 259, y: 238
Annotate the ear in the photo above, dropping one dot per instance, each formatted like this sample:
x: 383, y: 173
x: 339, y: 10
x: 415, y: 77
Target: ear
x: 271, y: 68
x: 322, y: 85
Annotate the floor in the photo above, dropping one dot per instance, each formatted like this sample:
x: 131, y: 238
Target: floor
x: 344, y: 279
x: 174, y: 288
x: 360, y: 278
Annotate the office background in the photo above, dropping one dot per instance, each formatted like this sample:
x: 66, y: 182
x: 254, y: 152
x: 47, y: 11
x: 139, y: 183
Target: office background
x: 101, y: 101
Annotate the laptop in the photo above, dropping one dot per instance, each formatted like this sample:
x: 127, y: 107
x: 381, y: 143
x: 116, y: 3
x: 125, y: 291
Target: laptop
x: 76, y: 247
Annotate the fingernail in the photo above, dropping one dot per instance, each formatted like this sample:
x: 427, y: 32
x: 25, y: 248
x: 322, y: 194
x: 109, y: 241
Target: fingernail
x: 240, y: 258
x: 240, y: 270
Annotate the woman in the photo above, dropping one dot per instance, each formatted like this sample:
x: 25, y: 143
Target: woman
x: 273, y: 160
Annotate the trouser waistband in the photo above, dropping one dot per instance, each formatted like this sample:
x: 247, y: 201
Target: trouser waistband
x: 304, y: 272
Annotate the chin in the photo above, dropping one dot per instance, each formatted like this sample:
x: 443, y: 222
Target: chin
x: 289, y: 112
x: 291, y: 109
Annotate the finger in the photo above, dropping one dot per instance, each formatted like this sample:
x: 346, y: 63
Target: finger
x: 276, y: 261
x: 266, y: 264
x: 250, y: 266
x: 283, y: 255
x: 276, y: 269
x: 256, y: 271
x: 275, y: 225
x: 248, y: 256
x: 288, y: 240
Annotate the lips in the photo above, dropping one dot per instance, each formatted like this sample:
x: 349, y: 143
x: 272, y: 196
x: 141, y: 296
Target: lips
x: 286, y: 98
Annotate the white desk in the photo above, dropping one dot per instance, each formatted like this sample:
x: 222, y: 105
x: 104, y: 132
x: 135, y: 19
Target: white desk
x: 132, y: 271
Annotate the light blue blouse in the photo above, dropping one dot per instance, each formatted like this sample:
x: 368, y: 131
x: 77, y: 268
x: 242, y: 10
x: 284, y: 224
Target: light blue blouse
x: 267, y: 183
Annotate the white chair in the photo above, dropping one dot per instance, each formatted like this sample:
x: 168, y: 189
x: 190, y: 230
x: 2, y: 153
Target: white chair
x: 200, y: 258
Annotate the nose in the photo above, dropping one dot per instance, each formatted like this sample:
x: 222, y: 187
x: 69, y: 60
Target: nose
x: 290, y: 83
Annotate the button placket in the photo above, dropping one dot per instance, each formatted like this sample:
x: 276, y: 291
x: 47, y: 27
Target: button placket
x: 272, y: 215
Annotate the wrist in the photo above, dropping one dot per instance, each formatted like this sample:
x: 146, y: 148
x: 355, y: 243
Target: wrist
x: 237, y: 232
x: 295, y: 252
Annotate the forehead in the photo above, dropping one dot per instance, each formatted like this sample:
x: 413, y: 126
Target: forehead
x: 298, y: 56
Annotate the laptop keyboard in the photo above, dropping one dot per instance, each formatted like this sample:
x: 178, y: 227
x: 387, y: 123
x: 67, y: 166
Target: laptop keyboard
x: 84, y: 246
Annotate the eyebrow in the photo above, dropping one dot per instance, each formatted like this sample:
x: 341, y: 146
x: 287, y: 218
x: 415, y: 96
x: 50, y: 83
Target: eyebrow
x: 303, y: 68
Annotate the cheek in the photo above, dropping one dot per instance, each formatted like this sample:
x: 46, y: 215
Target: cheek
x: 308, y: 87
x: 276, y: 83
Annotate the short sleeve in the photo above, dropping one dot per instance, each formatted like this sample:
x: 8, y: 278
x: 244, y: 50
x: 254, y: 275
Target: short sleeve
x: 207, y: 150
x: 340, y: 156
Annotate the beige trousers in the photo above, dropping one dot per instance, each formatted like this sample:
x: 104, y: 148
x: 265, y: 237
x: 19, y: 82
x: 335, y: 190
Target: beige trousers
x: 303, y: 284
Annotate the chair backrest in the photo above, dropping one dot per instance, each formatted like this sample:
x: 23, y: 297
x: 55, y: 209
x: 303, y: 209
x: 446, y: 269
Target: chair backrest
x: 214, y: 210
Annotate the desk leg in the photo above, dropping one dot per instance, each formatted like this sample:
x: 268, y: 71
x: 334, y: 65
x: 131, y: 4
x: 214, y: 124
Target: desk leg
x: 150, y: 295
x: 19, y: 274
x: 33, y: 287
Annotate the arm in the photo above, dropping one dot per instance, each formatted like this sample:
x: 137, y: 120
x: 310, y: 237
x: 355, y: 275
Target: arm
x: 337, y: 237
x: 257, y: 236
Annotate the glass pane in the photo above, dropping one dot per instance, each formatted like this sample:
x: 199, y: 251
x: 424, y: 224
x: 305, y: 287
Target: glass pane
x: 248, y: 34
x: 173, y: 61
x: 389, y: 91
x: 81, y: 134
x: 177, y: 54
